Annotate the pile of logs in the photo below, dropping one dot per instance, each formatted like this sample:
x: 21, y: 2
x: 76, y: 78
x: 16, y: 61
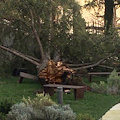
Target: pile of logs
x: 54, y: 71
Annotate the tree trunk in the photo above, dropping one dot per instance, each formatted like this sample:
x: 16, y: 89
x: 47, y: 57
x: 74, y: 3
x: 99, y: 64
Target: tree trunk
x: 114, y: 17
x: 109, y: 6
x: 43, y: 62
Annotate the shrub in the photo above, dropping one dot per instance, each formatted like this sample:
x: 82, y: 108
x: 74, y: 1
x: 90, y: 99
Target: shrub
x: 95, y: 87
x: 114, y: 79
x: 20, y: 111
x: 66, y: 113
x: 2, y: 116
x: 113, y: 83
x: 52, y: 112
x: 84, y: 117
x: 5, y: 105
x: 101, y: 88
x: 39, y: 101
x: 40, y: 108
x: 55, y: 112
x: 112, y: 86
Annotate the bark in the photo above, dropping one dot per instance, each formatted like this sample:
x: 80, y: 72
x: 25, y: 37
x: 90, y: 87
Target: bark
x: 35, y: 59
x: 56, y: 56
x: 44, y: 62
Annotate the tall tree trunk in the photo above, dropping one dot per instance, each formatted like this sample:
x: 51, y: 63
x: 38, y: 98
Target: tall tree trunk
x: 114, y: 17
x: 109, y: 6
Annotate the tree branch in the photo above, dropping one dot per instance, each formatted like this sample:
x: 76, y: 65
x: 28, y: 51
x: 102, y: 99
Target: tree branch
x: 95, y: 64
x: 104, y: 66
x: 36, y: 34
x: 78, y: 65
x: 19, y: 54
x: 33, y: 58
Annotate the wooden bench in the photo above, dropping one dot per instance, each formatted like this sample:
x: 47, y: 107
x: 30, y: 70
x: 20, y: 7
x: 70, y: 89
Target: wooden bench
x: 26, y: 75
x: 98, y: 73
x: 78, y: 90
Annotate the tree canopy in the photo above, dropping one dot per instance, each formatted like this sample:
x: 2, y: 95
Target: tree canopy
x: 44, y: 29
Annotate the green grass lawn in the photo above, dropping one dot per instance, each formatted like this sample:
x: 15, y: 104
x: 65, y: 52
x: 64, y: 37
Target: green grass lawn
x: 94, y: 104
x: 10, y: 89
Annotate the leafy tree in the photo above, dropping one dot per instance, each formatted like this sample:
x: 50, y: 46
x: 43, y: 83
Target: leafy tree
x: 39, y: 27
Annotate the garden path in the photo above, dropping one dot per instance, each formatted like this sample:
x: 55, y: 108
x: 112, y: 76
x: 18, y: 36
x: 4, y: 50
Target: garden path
x: 113, y: 113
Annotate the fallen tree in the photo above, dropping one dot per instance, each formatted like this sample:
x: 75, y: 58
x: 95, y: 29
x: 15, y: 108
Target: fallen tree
x: 33, y: 23
x: 57, y: 72
x: 37, y: 62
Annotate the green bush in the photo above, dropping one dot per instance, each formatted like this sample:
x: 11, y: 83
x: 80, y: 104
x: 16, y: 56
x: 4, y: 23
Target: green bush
x: 114, y: 79
x: 84, y: 117
x: 40, y: 108
x: 112, y: 86
x: 113, y: 83
x: 95, y: 87
x: 2, y: 116
x: 101, y: 88
x: 5, y: 68
x: 39, y: 101
x: 5, y: 105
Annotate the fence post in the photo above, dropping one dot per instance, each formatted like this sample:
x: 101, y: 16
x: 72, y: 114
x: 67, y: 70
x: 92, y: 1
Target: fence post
x: 60, y: 95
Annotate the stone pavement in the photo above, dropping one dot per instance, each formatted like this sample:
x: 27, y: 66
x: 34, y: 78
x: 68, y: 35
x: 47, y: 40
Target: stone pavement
x: 113, y: 113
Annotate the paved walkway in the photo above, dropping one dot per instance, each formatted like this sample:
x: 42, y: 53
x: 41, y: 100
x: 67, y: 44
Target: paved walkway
x: 113, y: 113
